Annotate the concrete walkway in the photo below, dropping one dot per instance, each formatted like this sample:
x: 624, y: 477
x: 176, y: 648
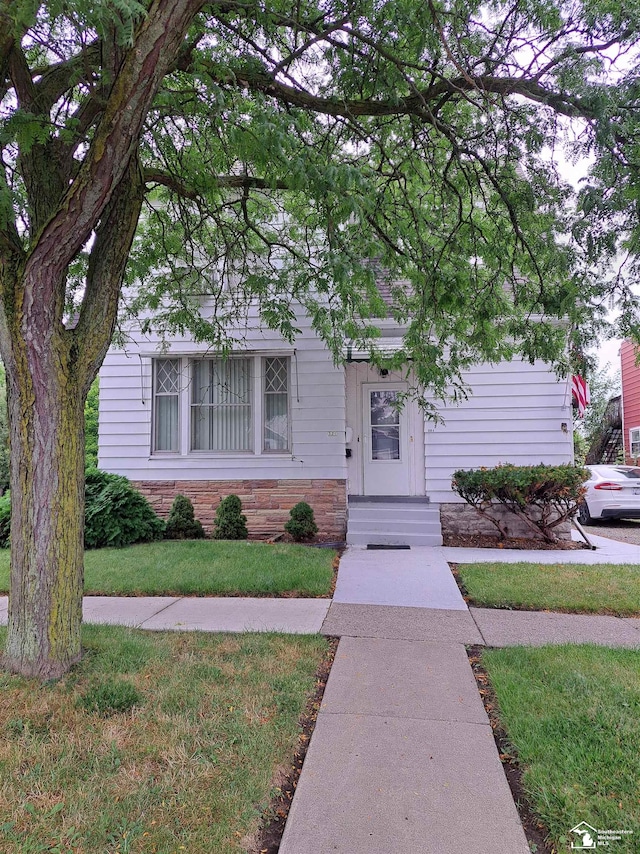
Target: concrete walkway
x: 206, y: 614
x: 402, y: 759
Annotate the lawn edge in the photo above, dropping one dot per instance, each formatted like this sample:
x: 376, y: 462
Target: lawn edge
x: 536, y: 832
x: 268, y: 837
x: 478, y: 603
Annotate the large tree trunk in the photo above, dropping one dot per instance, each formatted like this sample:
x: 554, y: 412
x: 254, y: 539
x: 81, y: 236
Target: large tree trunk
x: 50, y: 369
x: 93, y: 201
x: 46, y: 428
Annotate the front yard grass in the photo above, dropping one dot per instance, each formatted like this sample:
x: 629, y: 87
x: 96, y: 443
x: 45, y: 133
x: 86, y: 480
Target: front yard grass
x: 191, y: 768
x: 572, y: 588
x: 572, y: 714
x: 203, y: 568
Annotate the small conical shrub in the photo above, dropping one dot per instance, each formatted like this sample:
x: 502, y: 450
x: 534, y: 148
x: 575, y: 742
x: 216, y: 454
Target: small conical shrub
x: 301, y: 526
x: 230, y: 523
x: 182, y: 524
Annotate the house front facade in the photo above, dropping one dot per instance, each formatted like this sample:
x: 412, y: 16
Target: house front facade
x: 276, y: 423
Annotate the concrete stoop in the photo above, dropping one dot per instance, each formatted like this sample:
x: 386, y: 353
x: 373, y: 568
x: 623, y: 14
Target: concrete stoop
x: 393, y: 521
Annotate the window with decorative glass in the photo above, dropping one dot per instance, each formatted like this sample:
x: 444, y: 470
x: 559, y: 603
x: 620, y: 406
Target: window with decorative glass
x: 276, y: 404
x: 234, y: 405
x: 166, y: 421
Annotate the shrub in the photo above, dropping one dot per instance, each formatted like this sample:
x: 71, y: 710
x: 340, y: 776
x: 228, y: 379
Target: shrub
x: 301, y: 525
x: 116, y: 514
x: 182, y: 524
x: 111, y: 697
x: 230, y: 523
x: 542, y: 496
x: 5, y: 519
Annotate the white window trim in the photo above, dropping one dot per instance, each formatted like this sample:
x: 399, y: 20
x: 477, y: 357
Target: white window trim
x: 633, y: 442
x: 257, y: 408
x: 154, y: 411
x: 263, y: 372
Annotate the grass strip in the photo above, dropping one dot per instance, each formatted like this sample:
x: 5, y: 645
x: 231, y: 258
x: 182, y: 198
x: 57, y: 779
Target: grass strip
x: 571, y: 588
x: 203, y: 568
x: 572, y: 714
x: 190, y: 767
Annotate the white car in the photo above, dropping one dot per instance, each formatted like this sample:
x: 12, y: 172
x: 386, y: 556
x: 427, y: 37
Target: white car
x: 613, y: 492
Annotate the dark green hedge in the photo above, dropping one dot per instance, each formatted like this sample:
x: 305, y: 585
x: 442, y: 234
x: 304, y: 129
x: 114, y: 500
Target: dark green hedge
x: 115, y: 513
x: 542, y: 496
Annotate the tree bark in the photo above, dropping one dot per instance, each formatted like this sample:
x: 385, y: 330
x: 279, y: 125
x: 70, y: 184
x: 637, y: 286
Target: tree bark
x: 49, y: 372
x: 46, y: 428
x: 50, y: 367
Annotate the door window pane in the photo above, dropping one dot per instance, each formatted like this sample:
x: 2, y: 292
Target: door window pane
x: 385, y: 425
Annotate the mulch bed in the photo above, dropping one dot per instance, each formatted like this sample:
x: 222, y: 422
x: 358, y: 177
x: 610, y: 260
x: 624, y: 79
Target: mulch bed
x: 534, y: 829
x: 485, y: 541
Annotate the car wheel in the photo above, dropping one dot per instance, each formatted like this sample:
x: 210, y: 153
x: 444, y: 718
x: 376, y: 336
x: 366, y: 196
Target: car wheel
x: 584, y: 517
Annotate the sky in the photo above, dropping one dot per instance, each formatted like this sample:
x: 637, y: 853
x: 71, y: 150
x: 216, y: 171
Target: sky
x: 608, y: 352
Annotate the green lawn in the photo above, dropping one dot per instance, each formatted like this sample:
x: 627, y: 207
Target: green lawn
x: 190, y: 768
x: 573, y: 716
x: 603, y: 589
x: 203, y: 568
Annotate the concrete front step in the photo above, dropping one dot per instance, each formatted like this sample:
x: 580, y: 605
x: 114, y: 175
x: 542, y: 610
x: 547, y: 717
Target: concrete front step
x: 392, y: 521
x: 412, y: 512
x: 378, y: 538
x: 395, y: 526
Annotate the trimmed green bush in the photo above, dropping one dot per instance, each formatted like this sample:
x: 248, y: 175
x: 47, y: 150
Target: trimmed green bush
x: 182, y: 524
x: 116, y: 514
x: 542, y: 496
x: 301, y: 525
x: 230, y: 523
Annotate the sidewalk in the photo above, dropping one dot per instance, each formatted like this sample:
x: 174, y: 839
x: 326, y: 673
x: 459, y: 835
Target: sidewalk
x: 402, y: 759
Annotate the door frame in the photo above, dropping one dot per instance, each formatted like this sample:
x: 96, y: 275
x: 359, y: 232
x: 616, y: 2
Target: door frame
x: 358, y: 374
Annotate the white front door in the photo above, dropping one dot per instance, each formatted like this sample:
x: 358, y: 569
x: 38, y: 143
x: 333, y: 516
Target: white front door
x: 386, y: 441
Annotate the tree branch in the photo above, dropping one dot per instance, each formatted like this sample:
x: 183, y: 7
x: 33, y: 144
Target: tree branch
x: 263, y: 81
x: 107, y: 262
x: 157, y: 41
x: 57, y: 79
x: 247, y: 182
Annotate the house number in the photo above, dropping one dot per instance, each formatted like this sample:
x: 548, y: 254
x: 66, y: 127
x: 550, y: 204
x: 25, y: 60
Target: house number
x: 332, y: 433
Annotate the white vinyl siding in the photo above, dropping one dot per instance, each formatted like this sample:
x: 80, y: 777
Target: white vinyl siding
x: 316, y: 412
x: 517, y: 413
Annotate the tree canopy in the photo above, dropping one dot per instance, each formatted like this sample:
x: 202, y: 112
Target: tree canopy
x: 296, y: 150
x: 316, y: 152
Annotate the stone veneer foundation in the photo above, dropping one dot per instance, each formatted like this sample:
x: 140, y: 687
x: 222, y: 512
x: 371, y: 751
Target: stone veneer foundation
x: 265, y: 503
x: 462, y: 519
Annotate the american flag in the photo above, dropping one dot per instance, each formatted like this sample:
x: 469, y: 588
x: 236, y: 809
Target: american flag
x: 580, y: 393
